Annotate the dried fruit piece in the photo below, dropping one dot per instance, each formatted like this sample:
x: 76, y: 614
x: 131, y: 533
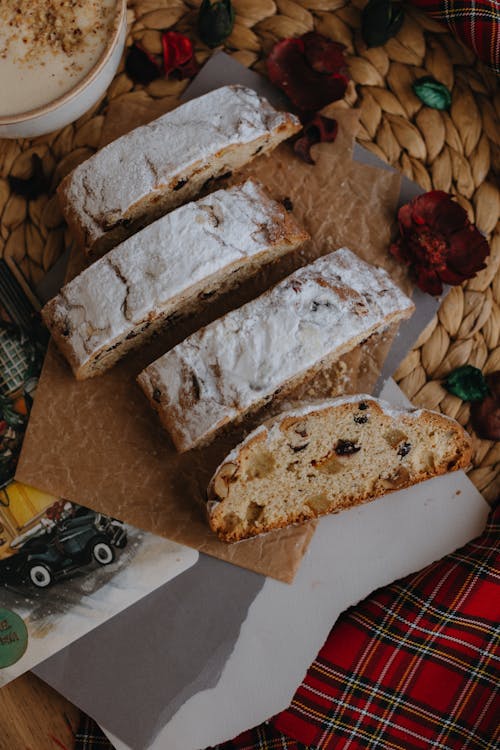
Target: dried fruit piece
x: 396, y: 480
x: 254, y: 512
x: 395, y: 437
x: 360, y: 418
x: 299, y: 448
x: 346, y: 448
x: 318, y: 503
x: 226, y: 474
x: 328, y: 465
x: 404, y: 449
x: 263, y: 462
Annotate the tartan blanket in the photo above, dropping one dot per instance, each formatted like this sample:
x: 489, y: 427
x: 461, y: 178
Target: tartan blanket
x: 475, y: 22
x: 415, y: 665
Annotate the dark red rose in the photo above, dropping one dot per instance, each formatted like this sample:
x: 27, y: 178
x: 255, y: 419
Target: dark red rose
x: 310, y: 69
x: 178, y: 57
x: 318, y: 130
x: 140, y: 66
x: 178, y: 54
x: 485, y: 418
x: 438, y: 242
x: 485, y: 415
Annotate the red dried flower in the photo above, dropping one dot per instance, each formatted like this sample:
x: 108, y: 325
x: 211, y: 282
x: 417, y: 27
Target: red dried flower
x: 318, y: 130
x: 311, y: 70
x: 438, y: 242
x: 140, y: 66
x: 178, y: 54
x: 178, y: 57
x: 485, y: 415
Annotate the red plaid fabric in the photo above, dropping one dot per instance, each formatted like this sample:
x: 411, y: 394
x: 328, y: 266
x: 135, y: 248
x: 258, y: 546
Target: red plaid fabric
x: 475, y: 22
x: 90, y: 737
x: 412, y: 667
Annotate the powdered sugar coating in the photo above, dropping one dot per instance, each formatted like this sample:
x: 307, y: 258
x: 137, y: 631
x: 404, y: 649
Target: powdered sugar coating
x: 137, y: 279
x: 102, y: 189
x: 242, y: 359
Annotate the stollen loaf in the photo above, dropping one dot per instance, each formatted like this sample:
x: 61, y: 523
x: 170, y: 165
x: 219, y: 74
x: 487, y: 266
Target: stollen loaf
x: 151, y: 170
x: 237, y: 363
x: 178, y: 264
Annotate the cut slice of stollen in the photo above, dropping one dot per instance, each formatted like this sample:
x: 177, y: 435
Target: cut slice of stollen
x: 326, y: 457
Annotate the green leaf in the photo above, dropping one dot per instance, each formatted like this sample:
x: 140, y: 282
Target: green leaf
x: 381, y: 19
x: 432, y: 93
x: 468, y: 383
x: 215, y: 21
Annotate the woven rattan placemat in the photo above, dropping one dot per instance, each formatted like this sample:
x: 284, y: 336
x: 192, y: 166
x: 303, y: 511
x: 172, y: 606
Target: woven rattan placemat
x: 456, y: 151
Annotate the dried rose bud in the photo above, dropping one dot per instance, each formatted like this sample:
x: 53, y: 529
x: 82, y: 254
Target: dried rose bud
x: 318, y: 130
x: 380, y: 20
x: 178, y: 55
x: 485, y: 415
x: 485, y: 418
x: 31, y: 187
x: 140, y: 66
x: 215, y: 21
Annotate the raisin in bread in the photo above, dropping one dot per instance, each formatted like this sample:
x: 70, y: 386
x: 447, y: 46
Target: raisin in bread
x: 272, y: 344
x: 327, y: 457
x: 142, y: 175
x: 177, y: 264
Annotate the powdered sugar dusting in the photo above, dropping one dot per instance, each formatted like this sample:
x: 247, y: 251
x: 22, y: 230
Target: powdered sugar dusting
x: 243, y: 358
x: 139, y: 278
x: 106, y: 186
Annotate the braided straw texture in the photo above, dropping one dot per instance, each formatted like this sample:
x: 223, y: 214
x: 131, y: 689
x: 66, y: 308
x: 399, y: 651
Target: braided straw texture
x: 456, y: 151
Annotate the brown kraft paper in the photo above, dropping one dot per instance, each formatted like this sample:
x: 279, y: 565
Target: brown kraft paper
x: 98, y: 442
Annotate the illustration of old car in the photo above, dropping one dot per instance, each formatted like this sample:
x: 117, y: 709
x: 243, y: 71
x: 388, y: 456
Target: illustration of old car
x: 58, y: 549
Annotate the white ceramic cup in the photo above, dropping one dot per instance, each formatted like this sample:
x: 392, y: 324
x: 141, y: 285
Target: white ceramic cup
x: 78, y: 100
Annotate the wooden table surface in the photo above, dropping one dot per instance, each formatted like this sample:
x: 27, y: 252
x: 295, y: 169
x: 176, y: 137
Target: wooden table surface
x: 33, y: 716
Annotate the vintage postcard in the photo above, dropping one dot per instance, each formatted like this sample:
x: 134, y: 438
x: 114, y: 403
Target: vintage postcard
x: 64, y: 569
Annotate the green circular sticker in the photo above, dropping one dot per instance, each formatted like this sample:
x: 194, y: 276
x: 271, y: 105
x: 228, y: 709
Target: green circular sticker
x: 13, y: 638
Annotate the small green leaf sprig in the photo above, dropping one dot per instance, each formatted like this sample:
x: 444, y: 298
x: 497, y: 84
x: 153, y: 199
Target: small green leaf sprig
x: 469, y: 384
x: 432, y: 93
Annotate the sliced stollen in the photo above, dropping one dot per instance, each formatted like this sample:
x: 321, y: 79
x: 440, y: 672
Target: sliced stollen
x: 151, y: 170
x: 272, y: 344
x: 326, y: 457
x: 179, y: 263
